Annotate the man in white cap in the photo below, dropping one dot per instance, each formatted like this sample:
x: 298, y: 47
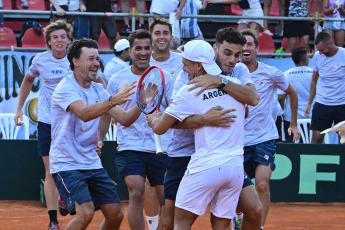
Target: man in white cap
x: 214, y: 174
x: 121, y: 59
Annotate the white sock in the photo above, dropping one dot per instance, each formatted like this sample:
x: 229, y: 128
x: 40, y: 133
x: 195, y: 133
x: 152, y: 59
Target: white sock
x: 239, y: 216
x: 262, y: 227
x: 152, y: 222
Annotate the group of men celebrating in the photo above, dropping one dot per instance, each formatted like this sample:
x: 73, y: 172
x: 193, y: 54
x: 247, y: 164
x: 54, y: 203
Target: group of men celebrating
x: 214, y: 144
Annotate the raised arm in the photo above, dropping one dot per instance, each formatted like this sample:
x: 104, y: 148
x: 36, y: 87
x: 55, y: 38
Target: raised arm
x: 245, y: 94
x: 312, y: 93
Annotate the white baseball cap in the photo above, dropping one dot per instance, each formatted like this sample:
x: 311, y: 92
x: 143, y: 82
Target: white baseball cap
x: 201, y: 51
x: 121, y: 44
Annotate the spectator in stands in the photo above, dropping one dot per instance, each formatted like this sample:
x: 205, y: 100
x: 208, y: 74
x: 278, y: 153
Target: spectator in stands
x: 160, y: 7
x: 300, y: 78
x: 1, y: 15
x: 140, y: 8
x: 334, y: 9
x: 189, y: 26
x: 61, y: 6
x: 328, y: 75
x: 108, y: 24
x: 250, y: 8
x: 267, y: 8
x: 121, y: 59
x: 294, y: 29
x: 24, y: 4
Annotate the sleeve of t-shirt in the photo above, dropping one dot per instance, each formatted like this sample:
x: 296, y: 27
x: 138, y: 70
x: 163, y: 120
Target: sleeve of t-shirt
x: 244, y: 74
x: 65, y: 94
x: 181, y: 80
x: 33, y: 70
x: 169, y: 86
x: 279, y: 91
x: 279, y: 80
x: 181, y: 107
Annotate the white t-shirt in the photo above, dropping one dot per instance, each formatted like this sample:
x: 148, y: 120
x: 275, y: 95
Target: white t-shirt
x: 139, y: 136
x: 300, y: 78
x: 72, y: 6
x: 163, y: 7
x: 173, y: 65
x: 241, y: 72
x: 74, y: 141
x: 114, y: 65
x: 51, y: 70
x: 260, y: 125
x: 330, y: 88
x: 213, y: 145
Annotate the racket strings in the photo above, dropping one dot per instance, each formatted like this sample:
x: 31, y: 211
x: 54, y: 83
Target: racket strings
x: 150, y: 91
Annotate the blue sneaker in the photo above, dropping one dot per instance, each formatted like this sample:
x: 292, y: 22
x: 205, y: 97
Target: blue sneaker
x: 236, y: 224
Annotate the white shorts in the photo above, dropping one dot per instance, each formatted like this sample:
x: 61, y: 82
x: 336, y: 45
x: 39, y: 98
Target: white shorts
x: 252, y: 13
x: 220, y: 186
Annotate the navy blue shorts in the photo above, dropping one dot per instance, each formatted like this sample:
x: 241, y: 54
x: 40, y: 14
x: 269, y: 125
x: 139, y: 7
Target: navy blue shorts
x: 44, y: 138
x: 176, y: 167
x: 262, y: 153
x: 324, y: 115
x: 129, y: 162
x: 247, y: 181
x: 83, y: 186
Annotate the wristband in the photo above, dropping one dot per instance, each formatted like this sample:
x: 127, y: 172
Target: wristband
x: 110, y: 102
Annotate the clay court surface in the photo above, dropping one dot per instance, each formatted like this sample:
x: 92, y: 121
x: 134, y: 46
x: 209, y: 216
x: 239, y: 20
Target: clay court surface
x: 29, y: 215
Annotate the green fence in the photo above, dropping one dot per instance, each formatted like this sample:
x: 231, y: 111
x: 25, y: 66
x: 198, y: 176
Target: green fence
x: 304, y: 173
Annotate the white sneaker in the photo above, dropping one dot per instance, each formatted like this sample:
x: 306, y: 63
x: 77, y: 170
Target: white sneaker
x: 24, y: 4
x: 267, y: 31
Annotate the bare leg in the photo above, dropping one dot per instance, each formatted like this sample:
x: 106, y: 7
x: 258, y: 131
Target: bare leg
x: 219, y: 223
x: 267, y: 7
x: 151, y: 205
x: 125, y: 9
x: 50, y: 191
x: 140, y: 4
x: 166, y: 220
x: 304, y: 41
x: 136, y: 189
x: 317, y: 137
x: 291, y: 43
x: 255, y: 28
x: 83, y: 217
x: 242, y: 26
x: 183, y: 219
x: 112, y: 42
x: 249, y: 203
x: 339, y: 36
x: 281, y: 12
x: 113, y: 216
x: 262, y: 177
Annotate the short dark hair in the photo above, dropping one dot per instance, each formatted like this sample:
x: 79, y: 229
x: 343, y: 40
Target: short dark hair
x: 250, y: 33
x: 299, y: 54
x: 322, y: 37
x: 117, y: 54
x: 229, y: 35
x: 74, y: 50
x: 58, y: 25
x: 160, y: 21
x: 138, y: 34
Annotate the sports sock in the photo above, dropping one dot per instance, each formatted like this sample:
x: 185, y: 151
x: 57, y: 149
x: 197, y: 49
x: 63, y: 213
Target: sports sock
x: 239, y: 215
x: 152, y: 222
x: 52, y: 215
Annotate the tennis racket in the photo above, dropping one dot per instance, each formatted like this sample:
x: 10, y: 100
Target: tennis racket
x: 150, y: 92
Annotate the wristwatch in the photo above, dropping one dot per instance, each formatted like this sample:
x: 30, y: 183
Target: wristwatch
x: 224, y: 82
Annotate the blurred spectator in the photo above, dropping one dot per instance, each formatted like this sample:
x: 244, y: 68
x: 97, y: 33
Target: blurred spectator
x: 160, y: 7
x: 294, y: 29
x: 250, y: 8
x: 189, y: 26
x: 327, y: 85
x: 121, y: 59
x: 267, y: 8
x: 300, y: 78
x: 334, y: 9
x: 1, y: 15
x: 24, y: 4
x: 108, y: 24
x: 140, y: 8
x: 61, y: 6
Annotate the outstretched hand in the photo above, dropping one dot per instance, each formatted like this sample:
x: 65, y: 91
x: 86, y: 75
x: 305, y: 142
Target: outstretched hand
x: 123, y: 94
x: 218, y: 117
x: 204, y: 82
x: 148, y: 94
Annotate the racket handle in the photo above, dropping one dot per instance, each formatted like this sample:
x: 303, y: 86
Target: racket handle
x: 159, y: 149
